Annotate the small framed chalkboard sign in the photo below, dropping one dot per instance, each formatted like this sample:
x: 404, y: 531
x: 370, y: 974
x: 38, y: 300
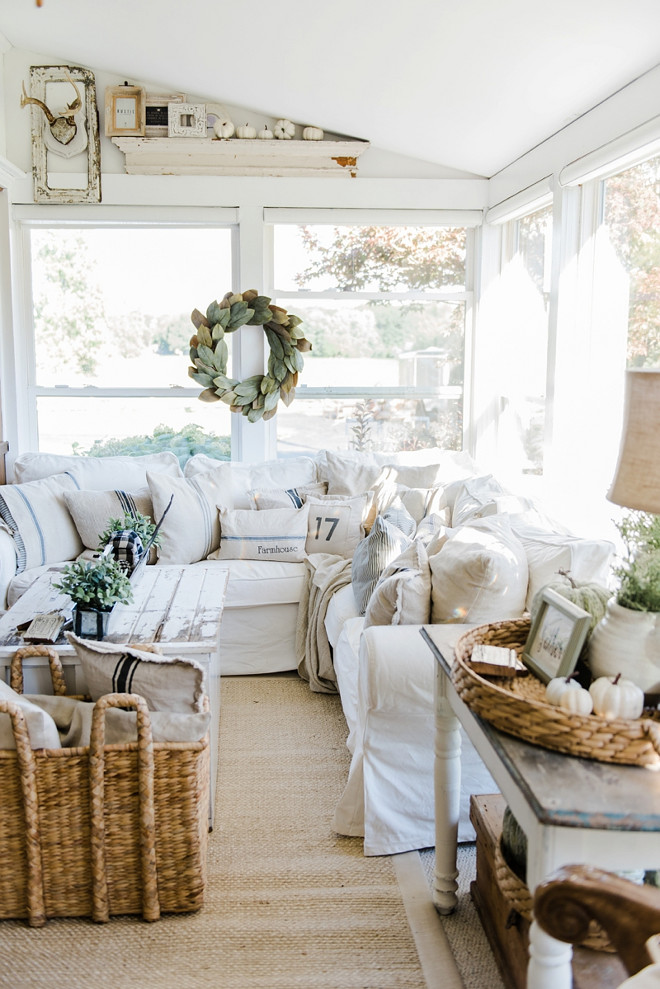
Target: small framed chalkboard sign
x: 156, y: 113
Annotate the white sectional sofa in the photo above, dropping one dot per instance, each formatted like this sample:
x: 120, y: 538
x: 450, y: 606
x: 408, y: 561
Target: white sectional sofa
x: 472, y: 553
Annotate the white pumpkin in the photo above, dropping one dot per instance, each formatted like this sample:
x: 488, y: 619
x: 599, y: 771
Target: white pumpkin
x: 568, y: 694
x: 284, y: 130
x: 312, y: 134
x: 265, y: 134
x: 617, y: 697
x: 246, y: 132
x: 223, y: 127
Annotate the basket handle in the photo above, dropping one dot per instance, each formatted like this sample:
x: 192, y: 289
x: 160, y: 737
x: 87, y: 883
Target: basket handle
x: 28, y: 771
x: 54, y: 662
x: 147, y: 821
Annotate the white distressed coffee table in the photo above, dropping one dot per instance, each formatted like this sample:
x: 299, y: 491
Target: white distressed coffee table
x: 180, y: 608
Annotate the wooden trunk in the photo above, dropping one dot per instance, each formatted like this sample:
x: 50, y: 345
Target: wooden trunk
x: 507, y: 931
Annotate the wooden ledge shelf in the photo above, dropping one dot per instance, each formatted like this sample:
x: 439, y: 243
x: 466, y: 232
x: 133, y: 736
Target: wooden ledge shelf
x: 206, y: 156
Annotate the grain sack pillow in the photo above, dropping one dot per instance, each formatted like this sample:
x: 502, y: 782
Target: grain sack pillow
x: 40, y: 725
x: 191, y: 529
x: 350, y: 473
x: 336, y: 524
x: 235, y: 480
x: 91, y: 510
x: 166, y: 683
x: 383, y: 544
x: 272, y: 534
x: 480, y: 574
x: 402, y: 595
x: 36, y: 516
x: 285, y: 497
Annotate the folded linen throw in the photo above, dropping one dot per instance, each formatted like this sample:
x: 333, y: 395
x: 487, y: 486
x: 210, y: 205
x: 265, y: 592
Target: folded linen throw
x: 325, y: 575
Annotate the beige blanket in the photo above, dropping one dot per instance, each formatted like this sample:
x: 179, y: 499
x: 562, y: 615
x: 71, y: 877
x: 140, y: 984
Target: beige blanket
x: 326, y: 574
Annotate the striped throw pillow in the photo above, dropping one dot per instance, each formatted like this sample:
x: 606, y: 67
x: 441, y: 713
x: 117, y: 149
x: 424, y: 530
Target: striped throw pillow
x: 36, y: 516
x: 91, y: 510
x: 383, y: 544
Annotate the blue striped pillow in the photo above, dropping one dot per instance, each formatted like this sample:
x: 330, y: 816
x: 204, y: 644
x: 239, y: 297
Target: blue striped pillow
x: 36, y: 516
x: 383, y: 544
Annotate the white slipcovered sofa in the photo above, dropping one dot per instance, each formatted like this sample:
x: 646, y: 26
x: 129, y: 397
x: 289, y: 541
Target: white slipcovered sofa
x: 447, y: 544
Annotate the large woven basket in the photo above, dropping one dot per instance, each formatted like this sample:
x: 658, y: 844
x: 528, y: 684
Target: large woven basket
x: 105, y: 829
x: 517, y: 706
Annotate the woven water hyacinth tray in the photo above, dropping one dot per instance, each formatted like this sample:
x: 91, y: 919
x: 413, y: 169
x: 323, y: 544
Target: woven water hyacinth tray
x: 517, y: 706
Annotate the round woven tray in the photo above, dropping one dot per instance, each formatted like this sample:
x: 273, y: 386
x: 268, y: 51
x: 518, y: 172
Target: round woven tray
x: 517, y: 895
x: 518, y: 707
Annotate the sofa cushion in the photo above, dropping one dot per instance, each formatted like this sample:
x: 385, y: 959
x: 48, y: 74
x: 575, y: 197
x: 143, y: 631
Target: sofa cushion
x: 237, y: 479
x: 261, y: 498
x: 336, y: 524
x: 166, y: 683
x: 402, y: 595
x: 257, y: 583
x: 91, y: 510
x: 40, y: 725
x: 97, y: 473
x: 342, y: 608
x: 272, y: 534
x: 349, y: 472
x: 36, y: 516
x: 371, y: 556
x: 479, y: 497
x: 548, y: 552
x: 479, y: 575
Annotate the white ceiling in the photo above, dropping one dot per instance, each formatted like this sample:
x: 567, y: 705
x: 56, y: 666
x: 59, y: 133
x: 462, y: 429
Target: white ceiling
x: 467, y: 84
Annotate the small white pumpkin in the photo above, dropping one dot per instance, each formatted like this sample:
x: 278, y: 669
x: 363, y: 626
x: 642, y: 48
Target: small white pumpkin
x: 246, y: 132
x: 223, y: 127
x: 617, y: 697
x: 312, y: 134
x: 568, y: 694
x: 284, y: 130
x: 265, y: 134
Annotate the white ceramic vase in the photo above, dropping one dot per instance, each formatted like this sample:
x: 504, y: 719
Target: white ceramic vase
x: 627, y: 642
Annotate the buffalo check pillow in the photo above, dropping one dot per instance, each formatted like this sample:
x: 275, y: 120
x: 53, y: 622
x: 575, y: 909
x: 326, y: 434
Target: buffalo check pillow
x: 166, y: 683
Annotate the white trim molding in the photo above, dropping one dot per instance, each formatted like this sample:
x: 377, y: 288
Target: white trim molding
x: 625, y: 151
x: 526, y: 201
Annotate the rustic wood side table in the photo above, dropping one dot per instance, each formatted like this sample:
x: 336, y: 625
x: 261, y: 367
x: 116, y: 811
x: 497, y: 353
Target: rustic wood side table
x: 180, y: 608
x: 573, y: 811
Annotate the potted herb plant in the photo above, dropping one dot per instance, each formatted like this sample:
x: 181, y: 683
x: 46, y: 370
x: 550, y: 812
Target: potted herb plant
x: 94, y: 586
x: 627, y: 640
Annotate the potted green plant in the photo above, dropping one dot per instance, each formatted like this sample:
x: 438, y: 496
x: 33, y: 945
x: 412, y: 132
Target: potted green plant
x: 94, y: 586
x: 627, y: 640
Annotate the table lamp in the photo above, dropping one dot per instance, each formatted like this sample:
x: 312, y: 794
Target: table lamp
x: 636, y: 481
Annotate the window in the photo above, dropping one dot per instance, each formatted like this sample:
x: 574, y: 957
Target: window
x: 385, y: 308
x: 111, y: 317
x: 520, y: 368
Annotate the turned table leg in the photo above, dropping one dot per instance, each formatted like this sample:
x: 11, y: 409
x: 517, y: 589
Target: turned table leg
x: 447, y: 781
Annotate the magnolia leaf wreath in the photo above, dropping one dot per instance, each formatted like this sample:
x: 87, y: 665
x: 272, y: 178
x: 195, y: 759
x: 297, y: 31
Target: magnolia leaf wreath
x: 256, y: 397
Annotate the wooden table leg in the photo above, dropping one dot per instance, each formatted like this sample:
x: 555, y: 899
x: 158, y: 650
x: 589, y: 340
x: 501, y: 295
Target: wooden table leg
x: 549, y: 960
x: 447, y: 780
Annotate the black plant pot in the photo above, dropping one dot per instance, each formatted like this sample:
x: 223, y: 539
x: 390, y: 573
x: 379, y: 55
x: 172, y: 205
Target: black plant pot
x: 89, y: 623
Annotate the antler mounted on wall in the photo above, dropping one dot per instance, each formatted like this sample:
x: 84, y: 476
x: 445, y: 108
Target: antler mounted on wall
x: 66, y: 128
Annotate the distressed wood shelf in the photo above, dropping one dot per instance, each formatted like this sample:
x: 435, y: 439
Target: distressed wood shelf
x: 206, y: 156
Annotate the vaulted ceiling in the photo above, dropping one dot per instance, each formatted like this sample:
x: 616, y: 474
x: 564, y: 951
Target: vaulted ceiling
x: 466, y: 84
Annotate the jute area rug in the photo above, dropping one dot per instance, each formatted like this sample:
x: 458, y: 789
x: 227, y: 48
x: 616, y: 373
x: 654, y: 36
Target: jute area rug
x: 289, y: 903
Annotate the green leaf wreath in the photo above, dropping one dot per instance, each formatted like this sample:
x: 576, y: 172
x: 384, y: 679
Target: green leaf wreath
x: 257, y: 396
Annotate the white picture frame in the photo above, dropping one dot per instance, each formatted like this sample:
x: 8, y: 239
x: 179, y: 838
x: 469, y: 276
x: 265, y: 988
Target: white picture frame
x: 556, y: 637
x: 186, y: 119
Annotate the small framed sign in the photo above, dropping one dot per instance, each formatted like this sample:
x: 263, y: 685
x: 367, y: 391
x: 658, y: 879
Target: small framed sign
x: 156, y: 113
x: 556, y: 637
x: 186, y: 119
x: 124, y: 111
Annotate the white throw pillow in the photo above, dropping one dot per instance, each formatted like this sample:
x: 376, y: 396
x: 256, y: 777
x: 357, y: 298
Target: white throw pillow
x: 402, y: 595
x: 40, y: 725
x: 480, y: 497
x: 349, y: 473
x: 480, y: 574
x: 237, y: 479
x: 285, y: 497
x: 97, y: 473
x: 383, y: 544
x: 36, y: 516
x: 272, y: 534
x: 167, y: 683
x: 549, y: 552
x: 91, y: 510
x: 336, y: 524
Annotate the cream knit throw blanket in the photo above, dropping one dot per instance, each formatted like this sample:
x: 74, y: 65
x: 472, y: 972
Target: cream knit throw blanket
x: 325, y: 575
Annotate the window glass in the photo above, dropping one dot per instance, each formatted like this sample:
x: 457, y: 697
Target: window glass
x: 385, y: 310
x: 111, y: 310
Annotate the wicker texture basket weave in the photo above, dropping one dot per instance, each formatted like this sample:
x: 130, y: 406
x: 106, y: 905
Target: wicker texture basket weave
x: 517, y: 707
x: 105, y: 829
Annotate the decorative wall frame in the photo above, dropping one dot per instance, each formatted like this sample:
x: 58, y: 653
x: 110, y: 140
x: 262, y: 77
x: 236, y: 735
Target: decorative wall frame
x: 186, y: 119
x: 124, y: 111
x: 64, y: 127
x: 156, y: 114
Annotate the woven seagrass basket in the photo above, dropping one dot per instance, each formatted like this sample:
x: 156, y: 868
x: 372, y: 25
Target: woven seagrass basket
x: 105, y: 829
x: 517, y: 707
